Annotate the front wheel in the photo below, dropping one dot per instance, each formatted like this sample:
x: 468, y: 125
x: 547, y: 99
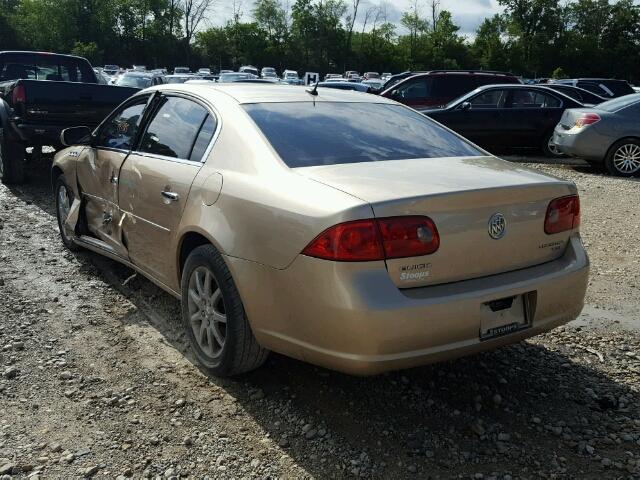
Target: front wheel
x: 623, y: 158
x: 214, y: 317
x: 11, y: 161
x: 64, y: 199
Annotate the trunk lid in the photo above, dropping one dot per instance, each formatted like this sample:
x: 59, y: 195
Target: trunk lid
x: 460, y: 195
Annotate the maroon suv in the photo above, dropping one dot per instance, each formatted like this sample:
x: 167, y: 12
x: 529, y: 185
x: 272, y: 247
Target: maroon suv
x: 438, y: 87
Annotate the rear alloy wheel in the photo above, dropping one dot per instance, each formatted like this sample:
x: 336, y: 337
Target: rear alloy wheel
x: 11, y: 161
x: 64, y: 199
x: 214, y: 317
x: 624, y: 158
x: 550, y: 149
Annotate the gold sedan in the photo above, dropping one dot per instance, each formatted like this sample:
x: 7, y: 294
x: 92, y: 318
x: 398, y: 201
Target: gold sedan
x: 335, y: 227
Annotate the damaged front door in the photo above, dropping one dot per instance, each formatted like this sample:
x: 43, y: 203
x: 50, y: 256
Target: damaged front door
x: 98, y: 172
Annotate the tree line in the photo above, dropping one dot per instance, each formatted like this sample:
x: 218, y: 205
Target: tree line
x: 533, y: 38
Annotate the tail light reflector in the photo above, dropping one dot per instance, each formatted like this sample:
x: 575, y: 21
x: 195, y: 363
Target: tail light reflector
x: 562, y: 214
x: 376, y: 239
x: 587, y: 119
x: 19, y: 95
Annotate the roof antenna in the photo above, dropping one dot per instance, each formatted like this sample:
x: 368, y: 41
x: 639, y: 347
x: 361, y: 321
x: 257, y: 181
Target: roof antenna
x: 313, y: 91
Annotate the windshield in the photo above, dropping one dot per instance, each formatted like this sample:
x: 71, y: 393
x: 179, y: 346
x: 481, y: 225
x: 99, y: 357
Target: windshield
x: 327, y: 133
x: 134, y: 81
x: 16, y: 66
x: 619, y: 103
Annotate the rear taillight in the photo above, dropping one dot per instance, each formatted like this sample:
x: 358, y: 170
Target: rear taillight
x: 408, y: 236
x: 18, y: 95
x: 562, y: 214
x: 376, y: 239
x: 587, y: 119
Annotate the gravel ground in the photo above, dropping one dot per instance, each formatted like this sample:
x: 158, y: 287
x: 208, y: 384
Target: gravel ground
x: 95, y: 378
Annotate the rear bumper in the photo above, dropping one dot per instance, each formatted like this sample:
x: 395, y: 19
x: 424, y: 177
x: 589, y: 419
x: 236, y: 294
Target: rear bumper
x: 352, y: 318
x: 36, y: 134
x: 587, y: 143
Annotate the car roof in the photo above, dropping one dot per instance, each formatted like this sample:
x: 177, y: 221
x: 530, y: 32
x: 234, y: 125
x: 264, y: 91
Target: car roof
x: 273, y: 93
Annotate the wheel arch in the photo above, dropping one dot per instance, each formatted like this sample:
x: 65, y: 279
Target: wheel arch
x: 615, y: 142
x: 189, y: 241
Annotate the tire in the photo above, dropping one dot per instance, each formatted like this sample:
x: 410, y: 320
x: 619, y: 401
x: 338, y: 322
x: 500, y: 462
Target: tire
x: 549, y: 149
x: 207, y: 302
x: 623, y: 158
x: 61, y: 184
x: 11, y: 161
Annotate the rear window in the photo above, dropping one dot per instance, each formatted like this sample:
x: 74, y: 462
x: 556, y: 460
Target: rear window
x: 17, y: 66
x: 620, y: 103
x: 305, y: 134
x: 134, y: 81
x: 451, y: 86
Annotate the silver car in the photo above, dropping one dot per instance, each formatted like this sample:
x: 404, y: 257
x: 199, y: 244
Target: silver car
x: 607, y: 134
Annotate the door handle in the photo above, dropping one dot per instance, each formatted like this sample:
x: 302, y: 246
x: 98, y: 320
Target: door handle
x: 171, y: 196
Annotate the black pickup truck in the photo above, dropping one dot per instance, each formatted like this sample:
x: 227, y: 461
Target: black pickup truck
x: 41, y: 94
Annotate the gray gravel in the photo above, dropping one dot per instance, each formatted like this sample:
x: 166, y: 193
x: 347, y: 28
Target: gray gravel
x: 96, y: 380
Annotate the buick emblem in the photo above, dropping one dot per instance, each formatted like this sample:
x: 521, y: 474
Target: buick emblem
x: 497, y: 226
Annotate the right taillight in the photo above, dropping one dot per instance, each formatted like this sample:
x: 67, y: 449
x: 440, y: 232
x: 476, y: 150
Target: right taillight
x: 376, y: 239
x: 562, y: 214
x: 587, y: 119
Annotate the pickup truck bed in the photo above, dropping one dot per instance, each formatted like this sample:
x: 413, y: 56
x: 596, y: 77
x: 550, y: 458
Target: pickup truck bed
x: 41, y: 94
x: 50, y: 107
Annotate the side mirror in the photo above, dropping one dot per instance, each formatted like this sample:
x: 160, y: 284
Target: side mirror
x: 465, y: 106
x: 75, y: 136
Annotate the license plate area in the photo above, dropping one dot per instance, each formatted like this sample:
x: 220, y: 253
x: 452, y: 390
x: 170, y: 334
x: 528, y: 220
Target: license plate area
x: 505, y: 315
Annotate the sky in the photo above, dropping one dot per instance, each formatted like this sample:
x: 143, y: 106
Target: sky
x: 467, y: 14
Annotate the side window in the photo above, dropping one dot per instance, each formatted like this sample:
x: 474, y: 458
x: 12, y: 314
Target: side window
x: 203, y: 139
x: 413, y: 89
x: 594, y: 88
x: 533, y: 99
x: 173, y: 129
x: 453, y: 86
x: 489, y: 99
x: 120, y: 131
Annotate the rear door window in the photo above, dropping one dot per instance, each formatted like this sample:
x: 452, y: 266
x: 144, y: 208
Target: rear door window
x: 203, y: 139
x: 174, y: 128
x: 489, y: 99
x: 307, y: 134
x: 533, y: 99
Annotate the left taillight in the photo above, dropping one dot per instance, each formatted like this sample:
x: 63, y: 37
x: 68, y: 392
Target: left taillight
x: 18, y: 95
x: 376, y: 239
x: 562, y: 214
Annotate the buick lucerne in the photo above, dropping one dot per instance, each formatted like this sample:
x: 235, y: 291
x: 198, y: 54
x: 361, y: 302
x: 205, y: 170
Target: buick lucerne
x: 339, y: 228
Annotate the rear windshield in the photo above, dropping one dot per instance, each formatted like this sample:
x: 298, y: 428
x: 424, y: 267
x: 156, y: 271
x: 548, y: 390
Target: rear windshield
x: 326, y: 133
x: 618, y: 87
x: 620, y: 103
x: 134, y: 81
x: 17, y: 66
